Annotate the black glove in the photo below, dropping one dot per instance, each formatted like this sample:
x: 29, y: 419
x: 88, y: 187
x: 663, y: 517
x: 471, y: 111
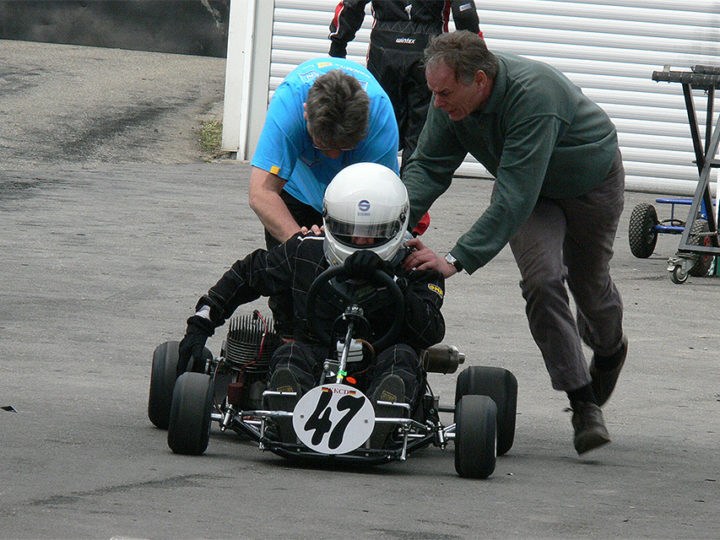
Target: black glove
x: 337, y: 50
x: 363, y: 263
x: 199, y: 329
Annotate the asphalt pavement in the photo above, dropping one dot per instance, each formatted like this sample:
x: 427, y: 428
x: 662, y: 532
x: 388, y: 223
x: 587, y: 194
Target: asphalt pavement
x: 114, y: 224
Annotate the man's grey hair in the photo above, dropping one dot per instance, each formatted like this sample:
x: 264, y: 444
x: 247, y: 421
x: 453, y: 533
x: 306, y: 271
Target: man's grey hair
x: 463, y: 52
x: 338, y: 110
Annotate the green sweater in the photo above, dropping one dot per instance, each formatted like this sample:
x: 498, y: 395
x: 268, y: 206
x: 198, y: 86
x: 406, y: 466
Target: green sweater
x: 538, y: 135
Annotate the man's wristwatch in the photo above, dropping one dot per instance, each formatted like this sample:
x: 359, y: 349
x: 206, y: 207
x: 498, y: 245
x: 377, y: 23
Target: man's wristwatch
x: 452, y: 260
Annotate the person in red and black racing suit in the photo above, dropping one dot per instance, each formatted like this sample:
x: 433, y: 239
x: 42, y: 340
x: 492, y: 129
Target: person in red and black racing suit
x: 401, y: 31
x: 365, y: 218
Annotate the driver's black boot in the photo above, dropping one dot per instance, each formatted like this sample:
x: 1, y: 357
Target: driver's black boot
x: 390, y: 390
x: 284, y: 381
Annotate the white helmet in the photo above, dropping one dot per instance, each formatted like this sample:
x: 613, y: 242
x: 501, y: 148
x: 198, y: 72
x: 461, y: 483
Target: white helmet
x: 365, y: 200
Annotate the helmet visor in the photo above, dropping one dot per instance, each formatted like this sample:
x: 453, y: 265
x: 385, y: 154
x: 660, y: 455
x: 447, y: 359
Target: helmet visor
x: 344, y: 232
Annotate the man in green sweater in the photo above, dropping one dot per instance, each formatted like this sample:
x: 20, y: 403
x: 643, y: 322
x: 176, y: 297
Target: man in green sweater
x: 557, y: 199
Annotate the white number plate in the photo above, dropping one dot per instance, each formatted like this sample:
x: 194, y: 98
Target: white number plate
x: 333, y: 419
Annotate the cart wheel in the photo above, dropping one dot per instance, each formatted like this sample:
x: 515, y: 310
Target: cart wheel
x: 642, y: 234
x: 501, y: 386
x: 677, y: 275
x: 189, y: 427
x: 475, y: 447
x: 162, y: 382
x: 704, y: 262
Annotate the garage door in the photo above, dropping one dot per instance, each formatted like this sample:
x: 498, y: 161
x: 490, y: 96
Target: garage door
x: 608, y: 48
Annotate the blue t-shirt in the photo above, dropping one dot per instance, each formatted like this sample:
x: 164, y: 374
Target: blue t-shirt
x: 286, y: 149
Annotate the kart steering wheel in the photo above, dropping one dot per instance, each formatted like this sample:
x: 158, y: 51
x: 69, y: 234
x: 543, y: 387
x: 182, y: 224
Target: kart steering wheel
x: 378, y: 279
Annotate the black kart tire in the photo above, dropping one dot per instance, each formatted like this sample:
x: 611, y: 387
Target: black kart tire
x: 642, y: 234
x: 189, y: 427
x: 501, y: 386
x: 704, y: 262
x: 162, y: 382
x: 475, y: 436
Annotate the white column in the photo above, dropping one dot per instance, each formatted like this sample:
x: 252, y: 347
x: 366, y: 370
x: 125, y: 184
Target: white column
x: 247, y: 74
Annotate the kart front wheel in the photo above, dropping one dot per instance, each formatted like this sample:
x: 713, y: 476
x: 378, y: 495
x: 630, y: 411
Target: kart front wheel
x: 475, y: 436
x: 502, y: 387
x: 189, y: 427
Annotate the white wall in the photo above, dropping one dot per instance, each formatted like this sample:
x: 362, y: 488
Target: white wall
x: 609, y: 48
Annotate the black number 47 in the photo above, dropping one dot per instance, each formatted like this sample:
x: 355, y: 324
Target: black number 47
x: 320, y: 418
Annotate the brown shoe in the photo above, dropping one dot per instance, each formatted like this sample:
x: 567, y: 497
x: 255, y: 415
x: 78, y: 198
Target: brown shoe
x: 603, y: 382
x: 589, y: 426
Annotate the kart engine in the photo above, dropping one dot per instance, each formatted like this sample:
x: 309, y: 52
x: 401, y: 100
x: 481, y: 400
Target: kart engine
x: 251, y: 341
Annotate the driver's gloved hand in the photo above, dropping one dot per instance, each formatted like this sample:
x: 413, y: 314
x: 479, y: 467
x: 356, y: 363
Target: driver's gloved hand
x: 199, y: 329
x: 363, y: 263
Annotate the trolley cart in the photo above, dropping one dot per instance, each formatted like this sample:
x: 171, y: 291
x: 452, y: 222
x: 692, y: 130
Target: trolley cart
x: 695, y: 243
x: 645, y: 228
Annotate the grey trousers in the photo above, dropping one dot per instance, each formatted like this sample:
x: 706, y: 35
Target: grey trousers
x: 571, y: 241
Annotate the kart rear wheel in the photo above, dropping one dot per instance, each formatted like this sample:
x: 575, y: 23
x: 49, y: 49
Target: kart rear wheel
x: 501, y: 386
x: 162, y: 382
x: 189, y: 427
x: 475, y: 436
x: 642, y: 234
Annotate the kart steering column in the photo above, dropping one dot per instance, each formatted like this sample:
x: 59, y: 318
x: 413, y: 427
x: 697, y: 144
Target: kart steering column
x: 351, y: 313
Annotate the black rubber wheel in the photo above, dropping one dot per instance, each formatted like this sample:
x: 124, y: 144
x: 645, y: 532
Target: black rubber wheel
x: 475, y: 430
x: 380, y: 279
x: 704, y: 262
x: 162, y: 382
x: 642, y: 234
x: 501, y: 386
x: 189, y: 427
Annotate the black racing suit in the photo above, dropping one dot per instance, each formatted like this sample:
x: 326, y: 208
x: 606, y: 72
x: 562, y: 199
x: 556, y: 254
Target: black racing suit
x: 292, y: 267
x: 401, y: 31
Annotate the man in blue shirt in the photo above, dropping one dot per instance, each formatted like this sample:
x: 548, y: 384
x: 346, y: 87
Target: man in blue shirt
x: 327, y: 114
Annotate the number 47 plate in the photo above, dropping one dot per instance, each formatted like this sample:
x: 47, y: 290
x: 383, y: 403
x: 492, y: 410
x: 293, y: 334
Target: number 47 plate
x: 333, y: 419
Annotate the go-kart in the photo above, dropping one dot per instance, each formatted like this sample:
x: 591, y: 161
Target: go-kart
x: 334, y: 420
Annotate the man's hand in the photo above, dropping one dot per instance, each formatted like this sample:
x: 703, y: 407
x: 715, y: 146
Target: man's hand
x: 423, y: 258
x: 337, y: 50
x: 199, y: 329
x: 363, y: 263
x: 316, y: 230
